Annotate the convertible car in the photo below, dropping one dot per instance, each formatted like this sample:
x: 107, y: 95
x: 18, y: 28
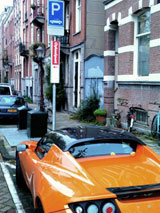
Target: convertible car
x: 90, y: 170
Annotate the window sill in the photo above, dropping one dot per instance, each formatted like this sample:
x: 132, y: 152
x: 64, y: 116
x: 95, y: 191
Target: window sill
x: 74, y: 34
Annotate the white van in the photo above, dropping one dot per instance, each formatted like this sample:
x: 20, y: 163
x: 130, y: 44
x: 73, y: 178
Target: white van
x: 5, y: 89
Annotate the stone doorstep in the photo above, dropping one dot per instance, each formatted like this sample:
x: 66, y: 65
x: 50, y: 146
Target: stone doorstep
x: 7, y: 152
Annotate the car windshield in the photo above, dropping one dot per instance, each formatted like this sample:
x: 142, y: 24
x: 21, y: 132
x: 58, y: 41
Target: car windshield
x: 98, y: 149
x: 7, y: 100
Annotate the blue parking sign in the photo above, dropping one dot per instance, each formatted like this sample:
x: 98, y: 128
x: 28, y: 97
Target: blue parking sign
x: 56, y: 17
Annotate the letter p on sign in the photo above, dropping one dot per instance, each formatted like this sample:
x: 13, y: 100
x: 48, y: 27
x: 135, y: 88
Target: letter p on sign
x: 55, y: 7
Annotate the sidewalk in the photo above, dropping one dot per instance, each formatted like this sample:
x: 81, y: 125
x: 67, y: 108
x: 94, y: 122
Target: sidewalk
x: 10, y: 137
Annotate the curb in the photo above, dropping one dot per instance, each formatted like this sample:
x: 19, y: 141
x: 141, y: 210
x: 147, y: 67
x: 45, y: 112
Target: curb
x: 6, y: 151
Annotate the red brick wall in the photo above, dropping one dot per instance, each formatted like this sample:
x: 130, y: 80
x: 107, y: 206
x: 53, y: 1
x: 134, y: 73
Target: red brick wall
x: 109, y: 64
x: 125, y: 63
x: 137, y: 94
x: 126, y: 34
x: 154, y: 60
x: 109, y: 40
x: 108, y: 100
x: 79, y: 37
x: 143, y: 97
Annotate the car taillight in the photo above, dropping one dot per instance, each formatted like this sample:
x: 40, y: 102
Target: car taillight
x: 92, y: 208
x: 108, y: 208
x: 78, y: 209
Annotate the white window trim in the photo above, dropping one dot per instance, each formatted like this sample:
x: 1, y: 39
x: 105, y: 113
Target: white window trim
x: 78, y: 17
x: 129, y: 48
x: 109, y: 53
x: 155, y: 42
x: 78, y: 86
x: 67, y: 18
x: 112, y: 4
x: 108, y: 78
x: 151, y: 78
x: 135, y: 60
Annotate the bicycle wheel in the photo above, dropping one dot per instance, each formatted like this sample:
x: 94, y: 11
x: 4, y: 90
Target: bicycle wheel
x: 154, y: 127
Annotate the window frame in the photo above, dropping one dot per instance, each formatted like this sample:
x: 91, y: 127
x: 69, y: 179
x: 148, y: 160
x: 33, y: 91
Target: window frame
x: 139, y: 121
x: 137, y: 36
x: 78, y: 16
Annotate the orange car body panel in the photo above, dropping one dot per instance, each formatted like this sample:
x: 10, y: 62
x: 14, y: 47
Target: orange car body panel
x: 59, y: 178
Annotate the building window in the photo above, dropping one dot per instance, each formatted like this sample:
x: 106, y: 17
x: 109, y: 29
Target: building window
x: 141, y: 116
x: 67, y: 18
x: 78, y: 16
x: 76, y: 79
x: 143, y: 37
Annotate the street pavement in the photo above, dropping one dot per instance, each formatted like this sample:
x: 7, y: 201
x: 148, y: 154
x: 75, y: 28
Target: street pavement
x: 10, y: 200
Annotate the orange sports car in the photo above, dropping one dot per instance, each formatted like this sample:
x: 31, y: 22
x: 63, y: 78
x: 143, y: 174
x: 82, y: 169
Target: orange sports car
x: 90, y: 170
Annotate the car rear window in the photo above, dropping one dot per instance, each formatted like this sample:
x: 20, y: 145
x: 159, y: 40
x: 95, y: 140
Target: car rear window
x: 5, y: 91
x: 99, y: 149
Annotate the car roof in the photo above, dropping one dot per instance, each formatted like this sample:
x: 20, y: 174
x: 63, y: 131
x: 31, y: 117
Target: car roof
x: 76, y: 135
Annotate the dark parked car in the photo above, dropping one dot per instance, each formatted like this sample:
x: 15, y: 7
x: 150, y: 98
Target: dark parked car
x: 9, y: 106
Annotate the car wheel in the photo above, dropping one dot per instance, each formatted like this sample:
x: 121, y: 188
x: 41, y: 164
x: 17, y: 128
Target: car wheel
x: 19, y: 176
x: 39, y: 208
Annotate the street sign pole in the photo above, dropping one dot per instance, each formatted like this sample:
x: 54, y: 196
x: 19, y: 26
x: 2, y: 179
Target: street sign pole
x: 54, y: 103
x: 55, y: 27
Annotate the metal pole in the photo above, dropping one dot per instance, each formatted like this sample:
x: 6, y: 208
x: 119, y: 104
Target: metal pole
x: 41, y: 84
x: 54, y: 108
x: 54, y: 103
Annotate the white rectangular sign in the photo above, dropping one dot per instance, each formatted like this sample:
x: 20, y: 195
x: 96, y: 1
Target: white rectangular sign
x: 55, y: 17
x: 55, y: 61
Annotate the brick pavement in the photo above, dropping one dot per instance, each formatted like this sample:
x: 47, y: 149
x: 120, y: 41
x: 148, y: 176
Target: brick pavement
x: 6, y: 202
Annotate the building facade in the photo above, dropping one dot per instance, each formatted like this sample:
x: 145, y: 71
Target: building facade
x: 18, y: 63
x: 131, y: 58
x: 82, y: 57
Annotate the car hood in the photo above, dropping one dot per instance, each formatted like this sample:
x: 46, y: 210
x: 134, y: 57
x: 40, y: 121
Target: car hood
x: 8, y: 106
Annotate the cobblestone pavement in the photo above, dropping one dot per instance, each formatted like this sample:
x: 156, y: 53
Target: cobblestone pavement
x: 6, y: 202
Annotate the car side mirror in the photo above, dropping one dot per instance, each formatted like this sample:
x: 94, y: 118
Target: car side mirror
x: 21, y: 147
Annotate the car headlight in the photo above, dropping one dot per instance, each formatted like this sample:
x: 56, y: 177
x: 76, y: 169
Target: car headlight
x: 78, y: 209
x: 108, y: 208
x: 92, y: 208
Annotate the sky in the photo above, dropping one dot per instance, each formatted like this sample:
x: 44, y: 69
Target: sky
x: 4, y: 3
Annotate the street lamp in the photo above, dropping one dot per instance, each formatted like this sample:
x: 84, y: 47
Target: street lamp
x: 40, y: 52
x: 40, y: 55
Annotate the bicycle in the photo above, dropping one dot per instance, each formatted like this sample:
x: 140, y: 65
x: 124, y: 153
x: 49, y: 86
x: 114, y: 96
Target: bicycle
x: 115, y: 119
x: 130, y: 119
x: 155, y: 127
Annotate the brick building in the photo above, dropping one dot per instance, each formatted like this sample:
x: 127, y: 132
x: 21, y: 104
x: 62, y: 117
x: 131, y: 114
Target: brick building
x: 18, y: 69
x: 82, y: 61
x: 131, y: 58
x: 7, y: 45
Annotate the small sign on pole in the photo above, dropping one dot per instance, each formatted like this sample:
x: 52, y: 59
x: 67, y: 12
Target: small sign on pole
x: 55, y: 18
x: 55, y: 61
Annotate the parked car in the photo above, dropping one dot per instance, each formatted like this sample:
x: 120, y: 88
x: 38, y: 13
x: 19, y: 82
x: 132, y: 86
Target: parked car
x: 9, y: 106
x: 6, y: 89
x: 90, y: 170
